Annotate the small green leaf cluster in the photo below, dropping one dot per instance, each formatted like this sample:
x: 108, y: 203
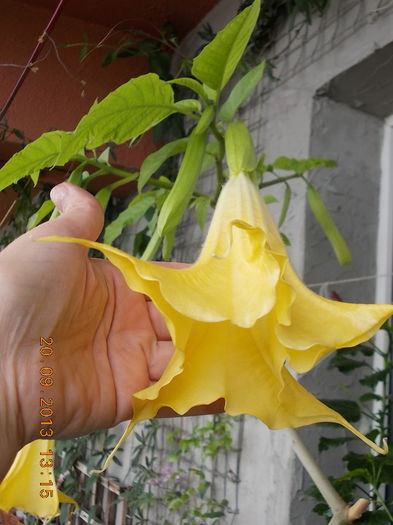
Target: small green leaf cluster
x: 366, y: 473
x: 274, y: 14
x: 214, y: 435
x: 184, y: 494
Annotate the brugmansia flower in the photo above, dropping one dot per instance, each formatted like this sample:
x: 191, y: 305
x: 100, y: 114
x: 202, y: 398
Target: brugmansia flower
x: 238, y: 317
x: 30, y: 483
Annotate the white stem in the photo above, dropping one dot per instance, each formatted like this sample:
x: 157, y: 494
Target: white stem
x: 331, y: 496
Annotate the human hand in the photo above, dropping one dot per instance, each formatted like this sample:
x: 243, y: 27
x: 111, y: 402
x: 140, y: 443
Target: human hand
x: 9, y: 518
x: 109, y: 342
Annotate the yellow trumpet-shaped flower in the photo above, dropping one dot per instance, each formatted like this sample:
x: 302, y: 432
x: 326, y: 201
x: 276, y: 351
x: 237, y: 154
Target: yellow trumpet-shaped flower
x: 30, y: 483
x: 238, y: 316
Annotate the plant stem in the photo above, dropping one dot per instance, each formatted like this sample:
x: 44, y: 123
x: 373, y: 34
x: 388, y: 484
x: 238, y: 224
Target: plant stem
x: 342, y: 513
x: 278, y: 180
x: 101, y: 165
x: 382, y: 502
x: 152, y: 246
x: 168, y: 185
x: 218, y: 162
x: 333, y: 499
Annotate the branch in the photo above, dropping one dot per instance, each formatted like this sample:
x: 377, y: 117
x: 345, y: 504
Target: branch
x: 343, y: 514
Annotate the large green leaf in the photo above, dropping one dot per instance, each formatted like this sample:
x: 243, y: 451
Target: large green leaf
x: 218, y: 60
x: 51, y: 149
x: 181, y: 192
x: 241, y: 92
x: 127, y: 112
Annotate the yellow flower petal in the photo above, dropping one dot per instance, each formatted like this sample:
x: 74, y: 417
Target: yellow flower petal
x: 333, y: 325
x: 22, y: 489
x: 237, y: 315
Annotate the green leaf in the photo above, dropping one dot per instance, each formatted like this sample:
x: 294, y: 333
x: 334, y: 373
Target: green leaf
x: 76, y: 176
x: 270, y: 199
x: 212, y: 150
x: 45, y: 209
x: 188, y: 105
x: 299, y: 166
x: 211, y: 93
x: 104, y: 157
x: 261, y: 167
x: 181, y: 192
x: 135, y: 210
x: 127, y: 112
x: 350, y: 410
x: 360, y: 473
x: 239, y: 148
x: 285, y: 205
x: 241, y: 92
x: 103, y: 196
x: 377, y: 517
x: 51, y: 149
x: 327, y: 443
x: 327, y: 224
x: 370, y: 396
x: 108, y: 59
x: 192, y: 84
x: 377, y: 377
x: 345, y: 364
x: 18, y: 133
x: 218, y: 60
x: 153, y: 161
x: 167, y: 245
x: 202, y: 205
x: 285, y: 239
x: 206, y: 119
x: 82, y: 54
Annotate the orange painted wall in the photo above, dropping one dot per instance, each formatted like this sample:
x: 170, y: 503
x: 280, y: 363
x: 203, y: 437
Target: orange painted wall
x: 53, y: 97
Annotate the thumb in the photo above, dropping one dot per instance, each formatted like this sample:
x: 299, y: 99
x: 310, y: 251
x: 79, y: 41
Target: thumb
x: 81, y: 214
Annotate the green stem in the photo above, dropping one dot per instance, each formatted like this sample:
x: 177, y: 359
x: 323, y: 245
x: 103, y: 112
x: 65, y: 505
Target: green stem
x: 121, y: 182
x: 101, y: 165
x: 93, y: 176
x: 382, y: 502
x: 156, y: 183
x: 152, y: 246
x: 218, y: 162
x: 279, y: 180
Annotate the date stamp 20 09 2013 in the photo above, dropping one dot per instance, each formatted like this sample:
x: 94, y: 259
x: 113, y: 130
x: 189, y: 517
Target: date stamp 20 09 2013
x: 46, y: 412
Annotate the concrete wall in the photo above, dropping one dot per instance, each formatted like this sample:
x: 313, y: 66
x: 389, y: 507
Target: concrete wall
x: 295, y: 116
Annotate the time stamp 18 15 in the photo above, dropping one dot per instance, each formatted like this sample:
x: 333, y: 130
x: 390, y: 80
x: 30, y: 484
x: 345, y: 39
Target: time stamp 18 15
x: 46, y: 413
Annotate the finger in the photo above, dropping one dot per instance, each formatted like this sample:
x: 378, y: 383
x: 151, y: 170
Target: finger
x: 81, y: 214
x: 159, y: 326
x: 159, y: 358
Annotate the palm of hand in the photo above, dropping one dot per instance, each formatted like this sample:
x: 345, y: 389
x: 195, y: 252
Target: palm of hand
x: 108, y: 341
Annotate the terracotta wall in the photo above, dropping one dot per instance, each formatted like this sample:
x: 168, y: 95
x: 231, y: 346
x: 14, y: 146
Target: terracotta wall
x: 53, y: 97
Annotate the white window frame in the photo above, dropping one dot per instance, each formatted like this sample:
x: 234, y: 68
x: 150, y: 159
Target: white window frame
x: 384, y: 265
